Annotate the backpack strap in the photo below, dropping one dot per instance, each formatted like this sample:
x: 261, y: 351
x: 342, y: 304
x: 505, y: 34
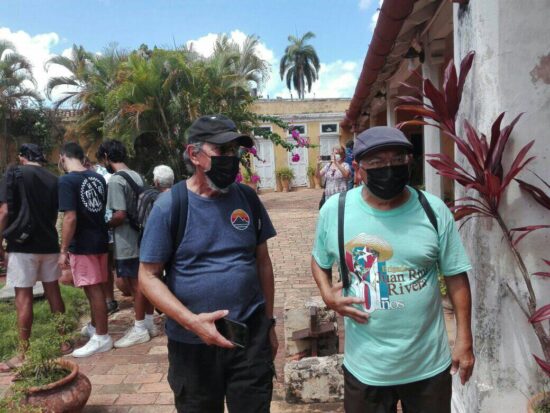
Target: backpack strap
x: 254, y: 203
x: 427, y: 208
x: 178, y: 217
x: 135, y: 187
x: 343, y: 267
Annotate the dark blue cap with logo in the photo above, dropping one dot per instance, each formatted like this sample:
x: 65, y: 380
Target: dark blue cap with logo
x: 217, y: 129
x: 379, y: 137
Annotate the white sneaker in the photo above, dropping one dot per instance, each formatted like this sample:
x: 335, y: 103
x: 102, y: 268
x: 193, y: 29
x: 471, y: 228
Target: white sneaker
x: 153, y: 330
x: 88, y: 330
x: 93, y: 346
x: 133, y: 336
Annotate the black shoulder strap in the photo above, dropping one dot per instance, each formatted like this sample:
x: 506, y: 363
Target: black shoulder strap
x: 427, y: 208
x: 135, y: 187
x: 254, y: 203
x: 178, y: 216
x: 343, y: 267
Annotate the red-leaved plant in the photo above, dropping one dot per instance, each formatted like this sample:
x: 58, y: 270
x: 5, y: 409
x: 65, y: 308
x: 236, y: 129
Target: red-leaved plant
x: 485, y: 175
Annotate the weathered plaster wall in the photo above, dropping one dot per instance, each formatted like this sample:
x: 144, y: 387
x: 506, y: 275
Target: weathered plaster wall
x: 510, y: 38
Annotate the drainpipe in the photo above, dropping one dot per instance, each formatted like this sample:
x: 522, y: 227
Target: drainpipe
x: 390, y: 21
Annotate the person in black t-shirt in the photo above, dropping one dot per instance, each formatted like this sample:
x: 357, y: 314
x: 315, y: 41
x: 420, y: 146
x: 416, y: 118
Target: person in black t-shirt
x: 36, y: 258
x: 82, y: 198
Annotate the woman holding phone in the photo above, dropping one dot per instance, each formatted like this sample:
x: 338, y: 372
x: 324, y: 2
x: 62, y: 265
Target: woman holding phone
x: 336, y: 174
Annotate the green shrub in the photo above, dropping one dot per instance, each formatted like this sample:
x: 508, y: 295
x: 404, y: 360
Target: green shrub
x: 285, y: 173
x: 76, y: 305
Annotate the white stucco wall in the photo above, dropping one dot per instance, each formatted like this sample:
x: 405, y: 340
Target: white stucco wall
x: 510, y: 37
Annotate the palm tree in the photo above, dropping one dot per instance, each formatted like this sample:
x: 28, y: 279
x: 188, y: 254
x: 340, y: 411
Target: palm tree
x: 77, y: 83
x: 87, y: 86
x: 15, y: 79
x: 244, y: 60
x: 300, y: 64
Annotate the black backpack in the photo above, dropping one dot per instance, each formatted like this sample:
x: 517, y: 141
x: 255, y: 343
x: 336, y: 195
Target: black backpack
x: 145, y: 203
x: 19, y: 214
x: 132, y: 209
x: 341, y: 210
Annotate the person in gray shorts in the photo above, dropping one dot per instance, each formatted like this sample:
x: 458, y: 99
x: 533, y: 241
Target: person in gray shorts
x: 35, y: 259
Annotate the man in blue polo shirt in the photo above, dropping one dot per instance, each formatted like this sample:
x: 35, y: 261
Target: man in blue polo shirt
x: 396, y: 346
x: 221, y: 268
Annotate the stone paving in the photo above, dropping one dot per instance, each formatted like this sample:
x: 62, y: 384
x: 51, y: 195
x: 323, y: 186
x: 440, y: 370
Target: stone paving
x: 133, y: 380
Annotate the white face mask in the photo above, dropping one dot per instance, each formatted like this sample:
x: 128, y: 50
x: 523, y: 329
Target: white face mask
x: 337, y: 157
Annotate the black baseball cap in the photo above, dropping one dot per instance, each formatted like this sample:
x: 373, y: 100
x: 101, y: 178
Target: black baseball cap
x: 217, y: 129
x: 379, y: 137
x: 32, y: 152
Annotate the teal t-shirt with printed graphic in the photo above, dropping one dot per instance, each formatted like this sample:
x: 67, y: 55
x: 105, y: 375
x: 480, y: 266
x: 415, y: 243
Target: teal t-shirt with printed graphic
x: 393, y: 258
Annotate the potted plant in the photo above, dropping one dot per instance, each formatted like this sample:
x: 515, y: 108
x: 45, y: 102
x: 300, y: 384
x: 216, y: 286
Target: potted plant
x: 285, y: 174
x: 46, y: 381
x: 488, y: 179
x: 311, y: 172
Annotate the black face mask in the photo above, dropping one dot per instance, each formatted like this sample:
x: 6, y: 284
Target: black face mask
x: 223, y: 170
x: 387, y: 182
x: 109, y: 168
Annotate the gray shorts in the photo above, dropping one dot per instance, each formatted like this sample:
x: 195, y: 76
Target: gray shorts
x: 25, y: 269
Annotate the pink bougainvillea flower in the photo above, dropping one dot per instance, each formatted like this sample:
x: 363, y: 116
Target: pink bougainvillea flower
x: 295, y: 157
x: 239, y: 178
x: 295, y: 134
x: 253, y: 151
x: 255, y: 179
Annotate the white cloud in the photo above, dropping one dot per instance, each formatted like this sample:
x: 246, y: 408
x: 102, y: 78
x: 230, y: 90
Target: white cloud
x: 38, y: 50
x: 336, y: 80
x: 364, y: 4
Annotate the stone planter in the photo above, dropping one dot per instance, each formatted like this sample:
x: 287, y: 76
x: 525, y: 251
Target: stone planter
x: 315, y: 380
x: 535, y: 400
x: 68, y: 395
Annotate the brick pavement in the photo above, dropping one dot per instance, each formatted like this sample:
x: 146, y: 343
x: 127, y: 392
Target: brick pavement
x: 133, y: 380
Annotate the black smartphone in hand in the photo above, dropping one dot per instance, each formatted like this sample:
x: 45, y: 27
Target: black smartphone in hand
x: 233, y: 331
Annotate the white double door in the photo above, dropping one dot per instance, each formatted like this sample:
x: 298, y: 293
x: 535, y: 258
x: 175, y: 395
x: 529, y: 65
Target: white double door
x: 265, y: 168
x: 299, y: 167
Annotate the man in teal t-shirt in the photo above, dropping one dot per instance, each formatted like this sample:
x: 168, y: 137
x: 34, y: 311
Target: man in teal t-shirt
x: 396, y: 345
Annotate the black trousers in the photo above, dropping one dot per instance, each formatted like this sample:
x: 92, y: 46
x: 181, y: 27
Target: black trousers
x: 431, y: 395
x: 202, y: 376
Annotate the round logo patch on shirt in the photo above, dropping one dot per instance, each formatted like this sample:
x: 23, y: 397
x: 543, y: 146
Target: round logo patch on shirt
x: 91, y: 194
x: 240, y: 219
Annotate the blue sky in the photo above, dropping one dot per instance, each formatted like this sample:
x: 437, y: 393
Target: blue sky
x: 343, y: 29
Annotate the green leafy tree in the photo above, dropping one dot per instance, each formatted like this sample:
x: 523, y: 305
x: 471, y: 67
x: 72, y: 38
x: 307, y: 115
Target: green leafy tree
x: 16, y: 88
x: 300, y: 64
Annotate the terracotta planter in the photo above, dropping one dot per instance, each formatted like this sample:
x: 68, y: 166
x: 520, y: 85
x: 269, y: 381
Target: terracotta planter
x: 68, y: 395
x: 535, y: 400
x: 285, y: 184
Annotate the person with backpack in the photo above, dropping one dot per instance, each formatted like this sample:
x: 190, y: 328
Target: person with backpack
x: 82, y: 198
x: 211, y: 234
x: 28, y: 213
x: 125, y: 187
x: 392, y: 241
